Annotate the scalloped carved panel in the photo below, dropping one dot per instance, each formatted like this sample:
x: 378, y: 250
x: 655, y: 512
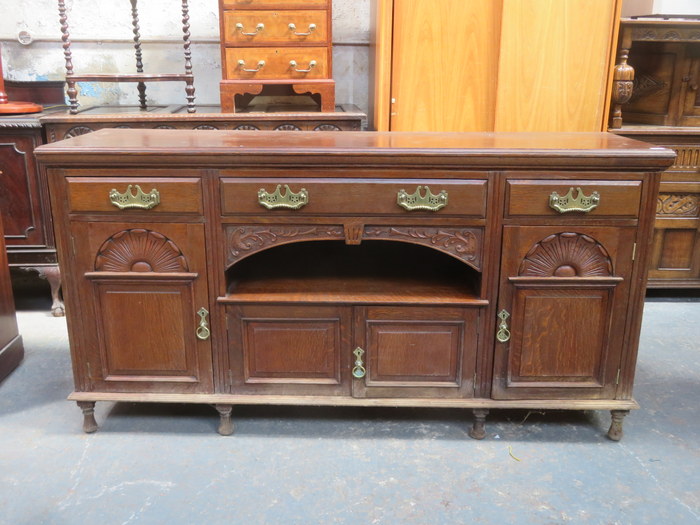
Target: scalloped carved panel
x: 242, y: 241
x: 463, y: 243
x: 140, y: 250
x: 567, y: 255
x: 76, y: 131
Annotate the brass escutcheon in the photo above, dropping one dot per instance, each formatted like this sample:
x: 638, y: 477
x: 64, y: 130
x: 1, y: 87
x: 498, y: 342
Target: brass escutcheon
x: 203, y: 331
x: 289, y: 200
x: 569, y: 203
x: 141, y: 200
x: 416, y: 201
x: 503, y: 334
x: 358, y: 370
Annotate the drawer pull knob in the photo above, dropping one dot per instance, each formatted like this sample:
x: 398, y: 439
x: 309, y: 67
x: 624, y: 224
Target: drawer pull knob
x: 293, y: 65
x: 416, y: 201
x: 203, y: 331
x: 141, y: 200
x: 289, y: 200
x: 258, y: 29
x: 358, y: 370
x: 503, y: 334
x: 567, y: 203
x: 293, y: 29
x: 241, y: 64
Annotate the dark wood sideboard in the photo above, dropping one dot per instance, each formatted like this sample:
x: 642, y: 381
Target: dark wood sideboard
x: 24, y: 200
x: 479, y: 271
x: 11, y: 347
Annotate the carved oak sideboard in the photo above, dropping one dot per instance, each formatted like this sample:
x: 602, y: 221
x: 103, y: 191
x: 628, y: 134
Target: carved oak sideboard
x: 360, y: 269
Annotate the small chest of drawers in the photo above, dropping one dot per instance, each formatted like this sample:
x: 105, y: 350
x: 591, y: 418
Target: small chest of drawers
x: 280, y: 46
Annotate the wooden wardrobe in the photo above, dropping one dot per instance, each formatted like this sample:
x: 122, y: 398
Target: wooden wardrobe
x: 492, y: 65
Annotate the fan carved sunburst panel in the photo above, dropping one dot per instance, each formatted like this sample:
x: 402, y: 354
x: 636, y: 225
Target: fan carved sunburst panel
x: 567, y: 255
x: 140, y: 250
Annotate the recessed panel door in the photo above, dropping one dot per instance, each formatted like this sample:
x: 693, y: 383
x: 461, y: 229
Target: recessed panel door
x: 414, y: 351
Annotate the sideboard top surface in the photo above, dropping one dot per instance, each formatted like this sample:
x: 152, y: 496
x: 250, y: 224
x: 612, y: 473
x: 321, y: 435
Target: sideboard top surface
x: 468, y: 149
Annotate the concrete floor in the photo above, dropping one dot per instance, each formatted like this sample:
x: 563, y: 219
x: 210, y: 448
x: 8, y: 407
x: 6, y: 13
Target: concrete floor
x: 165, y: 463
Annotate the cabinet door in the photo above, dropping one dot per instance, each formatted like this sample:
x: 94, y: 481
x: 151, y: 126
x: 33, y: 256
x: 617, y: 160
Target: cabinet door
x: 414, y: 351
x: 297, y: 350
x: 144, y: 305
x: 444, y: 65
x: 21, y: 199
x: 564, y: 294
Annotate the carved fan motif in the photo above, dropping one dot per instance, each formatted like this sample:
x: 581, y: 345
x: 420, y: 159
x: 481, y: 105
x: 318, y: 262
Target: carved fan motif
x: 76, y: 131
x: 206, y: 127
x: 247, y: 127
x: 327, y: 127
x: 139, y: 250
x: 567, y: 255
x: 287, y: 127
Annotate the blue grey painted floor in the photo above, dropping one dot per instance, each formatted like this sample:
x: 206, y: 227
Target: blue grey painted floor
x: 166, y: 464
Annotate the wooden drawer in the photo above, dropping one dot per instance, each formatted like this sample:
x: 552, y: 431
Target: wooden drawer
x: 278, y: 63
x: 532, y: 197
x: 274, y: 4
x: 347, y: 196
x: 175, y: 195
x: 275, y: 27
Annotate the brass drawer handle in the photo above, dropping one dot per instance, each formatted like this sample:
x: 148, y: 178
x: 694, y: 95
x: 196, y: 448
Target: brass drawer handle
x: 258, y: 29
x: 293, y: 65
x: 358, y: 370
x: 203, y: 331
x: 141, y: 200
x: 293, y: 29
x: 569, y: 203
x: 503, y: 334
x: 289, y: 200
x: 416, y: 201
x: 241, y: 64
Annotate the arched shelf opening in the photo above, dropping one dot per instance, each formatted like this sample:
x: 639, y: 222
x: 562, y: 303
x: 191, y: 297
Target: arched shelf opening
x: 376, y: 271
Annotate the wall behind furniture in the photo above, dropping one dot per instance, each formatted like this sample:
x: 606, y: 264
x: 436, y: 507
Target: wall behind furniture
x: 102, y: 42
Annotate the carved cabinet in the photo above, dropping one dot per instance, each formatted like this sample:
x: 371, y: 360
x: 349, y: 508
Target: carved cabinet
x: 283, y: 46
x: 363, y: 269
x: 657, y: 100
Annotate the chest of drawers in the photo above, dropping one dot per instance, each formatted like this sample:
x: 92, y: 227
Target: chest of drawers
x: 280, y: 47
x: 360, y: 269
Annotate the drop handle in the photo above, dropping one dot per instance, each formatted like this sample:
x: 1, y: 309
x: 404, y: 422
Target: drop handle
x: 241, y: 64
x: 503, y: 334
x: 359, y: 370
x: 203, y: 331
x: 258, y: 28
x: 293, y: 29
x: 293, y: 64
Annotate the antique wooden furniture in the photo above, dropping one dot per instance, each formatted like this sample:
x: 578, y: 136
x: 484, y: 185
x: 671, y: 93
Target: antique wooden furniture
x: 657, y: 100
x: 658, y: 81
x: 24, y: 200
x: 366, y: 269
x: 485, y: 65
x: 139, y: 77
x: 11, y: 347
x: 277, y: 46
x: 63, y: 125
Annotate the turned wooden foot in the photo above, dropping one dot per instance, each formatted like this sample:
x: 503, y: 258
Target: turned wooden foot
x: 478, y: 430
x: 225, y: 423
x: 615, y: 432
x: 89, y: 423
